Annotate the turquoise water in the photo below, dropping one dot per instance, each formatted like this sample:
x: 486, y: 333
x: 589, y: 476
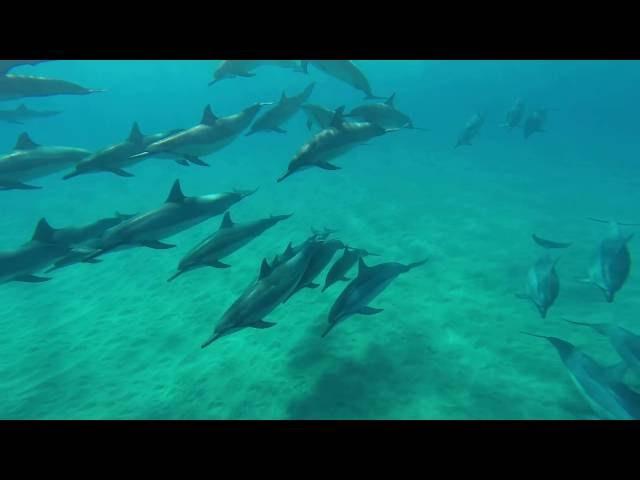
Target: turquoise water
x: 116, y: 341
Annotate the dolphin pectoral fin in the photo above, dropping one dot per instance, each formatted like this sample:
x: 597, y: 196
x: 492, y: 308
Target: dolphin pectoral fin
x: 120, y: 172
x: 369, y: 311
x: 182, y: 161
x: 328, y: 329
x: 195, y: 160
x: 261, y: 324
x: 279, y: 130
x: 328, y: 166
x: 210, y: 340
x: 219, y: 264
x: 31, y: 279
x: 157, y: 245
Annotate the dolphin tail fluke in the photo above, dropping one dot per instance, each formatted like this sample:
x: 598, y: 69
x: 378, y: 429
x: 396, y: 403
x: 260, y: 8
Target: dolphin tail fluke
x: 210, y: 340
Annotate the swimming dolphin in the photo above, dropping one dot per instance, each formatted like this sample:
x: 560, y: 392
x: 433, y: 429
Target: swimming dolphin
x: 210, y: 135
x: 346, y: 71
x: 22, y: 113
x: 384, y: 114
x: 8, y: 65
x: 548, y: 243
x: 318, y: 115
x: 471, y: 129
x: 611, y: 263
x: 602, y: 387
x: 370, y: 282
x: 332, y: 142
x: 273, y: 286
x: 245, y: 68
x: 339, y: 269
x: 30, y: 160
x: 543, y: 285
x: 291, y: 250
x: 22, y: 264
x: 21, y: 86
x: 273, y: 119
x: 177, y: 214
x: 624, y: 342
x: 515, y: 115
x: 534, y: 123
x: 229, y: 238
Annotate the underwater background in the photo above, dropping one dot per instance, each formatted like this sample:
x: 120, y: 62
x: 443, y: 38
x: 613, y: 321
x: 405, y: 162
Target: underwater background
x: 116, y: 341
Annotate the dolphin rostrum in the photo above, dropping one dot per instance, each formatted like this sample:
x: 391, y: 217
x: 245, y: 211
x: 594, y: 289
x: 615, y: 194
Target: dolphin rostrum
x: 346, y: 71
x: 543, y: 285
x: 273, y: 119
x: 22, y: 113
x: 245, y: 68
x: 339, y: 269
x: 370, y: 282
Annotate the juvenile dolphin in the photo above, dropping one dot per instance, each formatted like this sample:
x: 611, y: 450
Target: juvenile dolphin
x: 611, y: 263
x: 22, y: 264
x: 543, y: 285
x: 346, y: 71
x: 229, y: 238
x: 245, y: 68
x: 210, y: 135
x: 624, y: 342
x: 340, y: 268
x: 471, y: 129
x: 177, y: 214
x: 30, y: 160
x: 549, y: 243
x: 273, y: 286
x: 384, y: 114
x: 515, y: 115
x: 21, y: 86
x: 22, y: 113
x: 7, y: 65
x: 370, y: 282
x: 318, y: 115
x: 601, y: 387
x: 273, y: 119
x: 534, y: 123
x: 332, y: 142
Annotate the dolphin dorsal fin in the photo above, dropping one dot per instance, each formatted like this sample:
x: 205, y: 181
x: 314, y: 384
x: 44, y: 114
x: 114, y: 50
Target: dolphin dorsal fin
x: 338, y: 117
x: 362, y: 267
x: 43, y: 232
x: 391, y: 101
x: 175, y: 195
x: 289, y: 249
x: 226, y: 221
x: 265, y: 269
x: 135, y: 136
x: 25, y: 143
x: 208, y: 117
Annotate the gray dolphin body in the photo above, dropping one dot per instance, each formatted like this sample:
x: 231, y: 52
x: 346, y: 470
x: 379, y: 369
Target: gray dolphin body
x: 210, y: 135
x: 384, y: 114
x: 22, y: 113
x: 544, y: 243
x: 346, y: 71
x: 273, y: 119
x: 331, y: 143
x: 318, y: 115
x: 471, y: 130
x: 21, y: 86
x: 534, y: 123
x: 272, y: 287
x: 177, y: 214
x: 22, y: 264
x: 340, y: 268
x: 602, y: 387
x: 515, y: 115
x: 244, y: 68
x: 624, y: 342
x: 543, y: 284
x: 30, y: 160
x: 611, y: 263
x: 229, y: 238
x: 370, y: 282
x: 7, y: 65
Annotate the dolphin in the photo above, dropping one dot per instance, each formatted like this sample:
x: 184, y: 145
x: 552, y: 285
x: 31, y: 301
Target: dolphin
x: 273, y: 119
x: 245, y: 68
x: 534, y: 123
x: 515, y: 115
x: 611, y: 263
x: 229, y: 238
x: 177, y: 214
x: 549, y: 243
x: 346, y: 71
x: 338, y: 270
x: 273, y: 286
x: 210, y: 135
x: 384, y: 114
x: 30, y: 160
x: 22, y: 264
x: 8, y: 65
x: 318, y: 115
x: 370, y: 282
x: 543, y: 285
x: 332, y: 142
x: 22, y: 113
x: 471, y: 129
x: 21, y: 86
x: 602, y: 387
x: 625, y: 343
x: 292, y: 250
